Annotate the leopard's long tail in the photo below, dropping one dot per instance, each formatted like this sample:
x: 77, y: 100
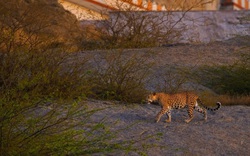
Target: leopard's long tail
x: 210, y: 109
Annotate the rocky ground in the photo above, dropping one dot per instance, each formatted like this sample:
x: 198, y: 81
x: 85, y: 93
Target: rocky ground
x: 226, y: 132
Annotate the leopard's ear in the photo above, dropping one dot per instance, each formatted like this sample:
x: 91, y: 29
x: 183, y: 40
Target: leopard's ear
x: 154, y: 93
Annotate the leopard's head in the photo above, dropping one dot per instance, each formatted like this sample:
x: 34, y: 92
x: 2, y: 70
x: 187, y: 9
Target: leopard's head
x: 152, y: 98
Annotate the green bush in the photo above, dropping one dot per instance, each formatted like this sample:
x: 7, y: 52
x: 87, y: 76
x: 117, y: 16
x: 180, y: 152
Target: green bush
x: 228, y: 79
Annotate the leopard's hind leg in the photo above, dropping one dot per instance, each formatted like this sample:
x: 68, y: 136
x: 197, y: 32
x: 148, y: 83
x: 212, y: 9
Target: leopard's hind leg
x: 190, y: 113
x: 201, y: 110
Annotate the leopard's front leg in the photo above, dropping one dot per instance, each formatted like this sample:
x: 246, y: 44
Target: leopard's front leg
x: 162, y: 112
x: 169, y: 116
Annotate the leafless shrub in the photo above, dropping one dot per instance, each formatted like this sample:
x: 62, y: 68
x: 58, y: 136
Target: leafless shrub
x: 132, y: 28
x: 171, y: 79
x: 120, y: 76
x: 186, y: 5
x: 138, y: 29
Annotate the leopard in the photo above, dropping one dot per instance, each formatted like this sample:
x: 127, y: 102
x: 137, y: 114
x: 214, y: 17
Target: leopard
x: 189, y: 100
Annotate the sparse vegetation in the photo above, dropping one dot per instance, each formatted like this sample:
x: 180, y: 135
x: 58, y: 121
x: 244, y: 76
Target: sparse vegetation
x: 132, y: 28
x: 171, y: 79
x: 43, y: 83
x: 233, y: 80
x: 230, y: 81
x: 42, y: 86
x: 120, y: 75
